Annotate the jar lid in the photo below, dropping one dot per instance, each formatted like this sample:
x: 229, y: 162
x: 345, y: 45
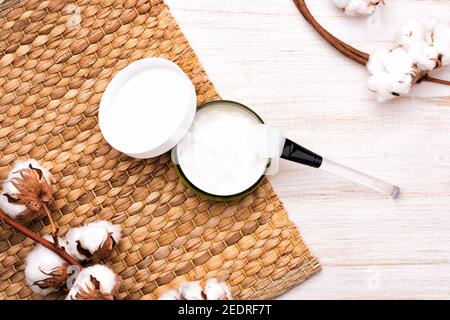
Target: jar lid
x: 147, y: 108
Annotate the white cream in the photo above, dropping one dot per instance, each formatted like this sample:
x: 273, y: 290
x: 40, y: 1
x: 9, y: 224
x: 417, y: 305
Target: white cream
x: 219, y: 154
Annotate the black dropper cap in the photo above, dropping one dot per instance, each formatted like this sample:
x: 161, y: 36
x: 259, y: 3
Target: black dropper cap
x: 295, y: 152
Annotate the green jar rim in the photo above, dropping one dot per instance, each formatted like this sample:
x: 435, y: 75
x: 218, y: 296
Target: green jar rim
x: 204, y: 194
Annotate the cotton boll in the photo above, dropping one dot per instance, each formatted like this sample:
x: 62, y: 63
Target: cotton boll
x: 211, y: 289
x: 425, y: 56
x: 376, y: 84
x: 217, y: 290
x: 427, y: 42
x: 416, y: 39
x: 45, y: 271
x: 441, y: 41
x: 397, y: 61
x: 358, y: 7
x: 114, y: 229
x: 392, y: 73
x: 97, y: 282
x: 388, y: 86
x: 94, y: 241
x: 422, y: 46
x: 376, y: 61
x: 34, y: 182
x: 411, y: 32
x: 191, y: 290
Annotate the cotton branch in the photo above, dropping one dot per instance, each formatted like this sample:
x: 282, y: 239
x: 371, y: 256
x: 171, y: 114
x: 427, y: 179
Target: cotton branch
x: 347, y: 50
x: 39, y: 239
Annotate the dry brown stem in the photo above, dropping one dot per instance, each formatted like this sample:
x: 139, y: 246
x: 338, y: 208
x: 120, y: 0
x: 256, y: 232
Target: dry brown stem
x: 39, y: 239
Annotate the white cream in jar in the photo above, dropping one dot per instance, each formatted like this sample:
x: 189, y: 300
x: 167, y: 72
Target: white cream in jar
x: 218, y: 155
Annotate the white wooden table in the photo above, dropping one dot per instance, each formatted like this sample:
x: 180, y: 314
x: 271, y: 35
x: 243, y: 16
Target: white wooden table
x: 262, y: 53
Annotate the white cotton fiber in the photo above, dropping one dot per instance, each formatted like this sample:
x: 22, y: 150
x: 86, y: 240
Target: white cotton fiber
x: 109, y: 281
x: 355, y: 8
x: 421, y: 47
x: 428, y: 43
x: 217, y: 290
x: 91, y: 237
x: 40, y: 261
x: 212, y: 289
x: 392, y: 73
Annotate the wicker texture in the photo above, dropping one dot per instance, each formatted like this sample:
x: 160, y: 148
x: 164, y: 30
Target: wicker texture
x: 52, y: 76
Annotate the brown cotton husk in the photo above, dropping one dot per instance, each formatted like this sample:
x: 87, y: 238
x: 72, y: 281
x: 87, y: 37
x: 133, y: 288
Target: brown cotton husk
x: 93, y: 292
x: 33, y: 189
x: 34, y: 192
x: 103, y: 253
x: 56, y: 278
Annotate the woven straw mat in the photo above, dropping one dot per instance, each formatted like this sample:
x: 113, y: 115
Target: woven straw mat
x: 56, y: 59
